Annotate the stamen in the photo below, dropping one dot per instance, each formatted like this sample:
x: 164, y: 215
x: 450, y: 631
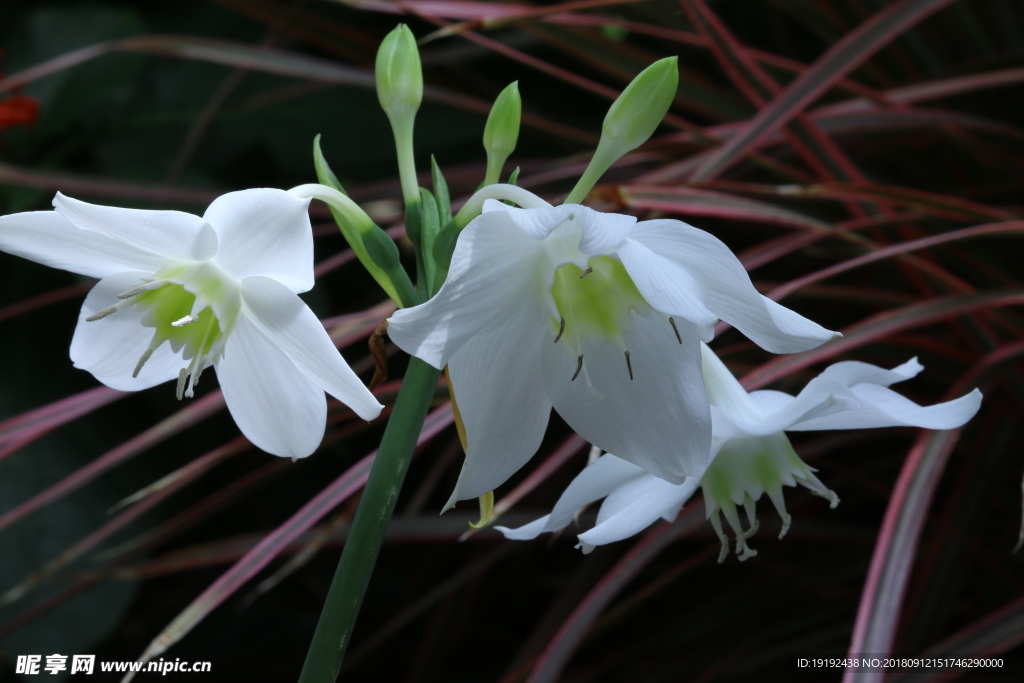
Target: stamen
x: 629, y: 366
x: 144, y: 287
x: 716, y: 522
x: 586, y: 272
x: 181, y: 322
x: 142, y: 361
x: 561, y: 329
x: 672, y: 322
x: 775, y: 495
x: 195, y: 368
x: 819, y: 489
x: 99, y: 315
x: 182, y: 376
x: 579, y: 366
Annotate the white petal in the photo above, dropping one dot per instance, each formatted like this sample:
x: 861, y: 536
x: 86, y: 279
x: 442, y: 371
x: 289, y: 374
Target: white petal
x: 602, y: 233
x: 174, y: 234
x: 496, y: 270
x: 264, y: 232
x: 275, y: 406
x: 883, y: 407
x: 731, y: 296
x: 47, y: 237
x: 500, y: 393
x: 110, y: 348
x: 667, y: 286
x: 635, y: 506
x: 596, y: 481
x: 281, y: 317
x: 660, y: 419
x: 854, y: 372
x: 725, y: 391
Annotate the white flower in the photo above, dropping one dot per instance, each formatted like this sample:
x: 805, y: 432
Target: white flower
x: 597, y: 315
x: 752, y: 455
x: 178, y: 293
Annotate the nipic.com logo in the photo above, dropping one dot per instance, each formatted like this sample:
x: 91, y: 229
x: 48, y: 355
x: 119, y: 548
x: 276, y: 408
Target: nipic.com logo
x: 86, y: 664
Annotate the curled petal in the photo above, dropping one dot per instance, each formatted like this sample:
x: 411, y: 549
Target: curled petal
x: 264, y: 232
x: 47, y: 237
x: 635, y: 506
x: 285, y: 322
x: 595, y: 482
x: 276, y: 406
x: 882, y: 407
x: 173, y: 234
x: 730, y: 294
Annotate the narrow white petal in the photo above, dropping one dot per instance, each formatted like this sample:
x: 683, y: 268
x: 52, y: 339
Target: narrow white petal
x: 174, y: 234
x: 667, y: 286
x: 854, y: 372
x: 110, y: 348
x: 596, y: 481
x: 47, y: 237
x: 882, y: 407
x: 659, y: 419
x: 500, y: 393
x: 731, y: 296
x: 527, y: 532
x: 635, y: 506
x: 496, y: 270
x: 264, y: 232
x: 286, y: 322
x: 274, y: 405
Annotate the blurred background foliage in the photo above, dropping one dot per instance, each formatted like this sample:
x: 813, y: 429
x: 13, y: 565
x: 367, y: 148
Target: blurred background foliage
x: 167, y: 104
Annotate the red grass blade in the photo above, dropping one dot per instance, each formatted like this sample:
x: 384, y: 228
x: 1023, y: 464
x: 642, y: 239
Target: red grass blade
x: 908, y: 507
x: 842, y: 58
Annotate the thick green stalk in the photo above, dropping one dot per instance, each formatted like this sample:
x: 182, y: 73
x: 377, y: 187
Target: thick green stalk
x: 334, y: 631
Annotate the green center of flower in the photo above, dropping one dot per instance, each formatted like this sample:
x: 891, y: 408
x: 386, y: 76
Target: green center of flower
x: 596, y: 303
x: 182, y: 303
x: 744, y: 470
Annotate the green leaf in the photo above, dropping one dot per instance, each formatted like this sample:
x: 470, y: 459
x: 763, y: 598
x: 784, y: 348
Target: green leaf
x: 444, y: 204
x: 323, y: 169
x: 429, y: 227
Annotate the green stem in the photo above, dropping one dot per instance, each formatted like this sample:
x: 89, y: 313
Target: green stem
x: 334, y: 631
x: 607, y: 154
x: 475, y: 204
x: 406, y: 160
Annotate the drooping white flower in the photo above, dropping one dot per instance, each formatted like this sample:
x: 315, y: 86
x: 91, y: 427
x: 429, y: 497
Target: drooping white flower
x: 178, y: 293
x: 752, y: 455
x: 597, y: 315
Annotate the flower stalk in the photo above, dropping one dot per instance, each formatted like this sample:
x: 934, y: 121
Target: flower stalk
x: 334, y: 630
x: 372, y: 246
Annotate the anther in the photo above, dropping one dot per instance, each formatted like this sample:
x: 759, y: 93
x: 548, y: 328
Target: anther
x: 561, y: 329
x: 672, y: 322
x: 586, y: 272
x: 99, y: 315
x: 142, y: 361
x: 579, y: 366
x: 629, y: 366
x: 132, y: 292
x: 182, y: 376
x: 181, y: 322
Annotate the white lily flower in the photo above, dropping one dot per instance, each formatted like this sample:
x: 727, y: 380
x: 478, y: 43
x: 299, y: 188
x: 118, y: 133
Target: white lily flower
x: 596, y: 315
x: 752, y: 455
x: 178, y: 293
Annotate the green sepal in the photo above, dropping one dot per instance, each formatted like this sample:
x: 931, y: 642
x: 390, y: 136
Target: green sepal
x: 430, y: 225
x: 323, y: 170
x: 372, y: 246
x: 444, y: 204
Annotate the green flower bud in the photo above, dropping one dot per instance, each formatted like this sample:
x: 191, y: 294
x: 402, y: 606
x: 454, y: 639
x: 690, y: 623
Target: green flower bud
x: 632, y: 118
x: 635, y: 115
x: 399, y: 75
x: 502, y: 130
